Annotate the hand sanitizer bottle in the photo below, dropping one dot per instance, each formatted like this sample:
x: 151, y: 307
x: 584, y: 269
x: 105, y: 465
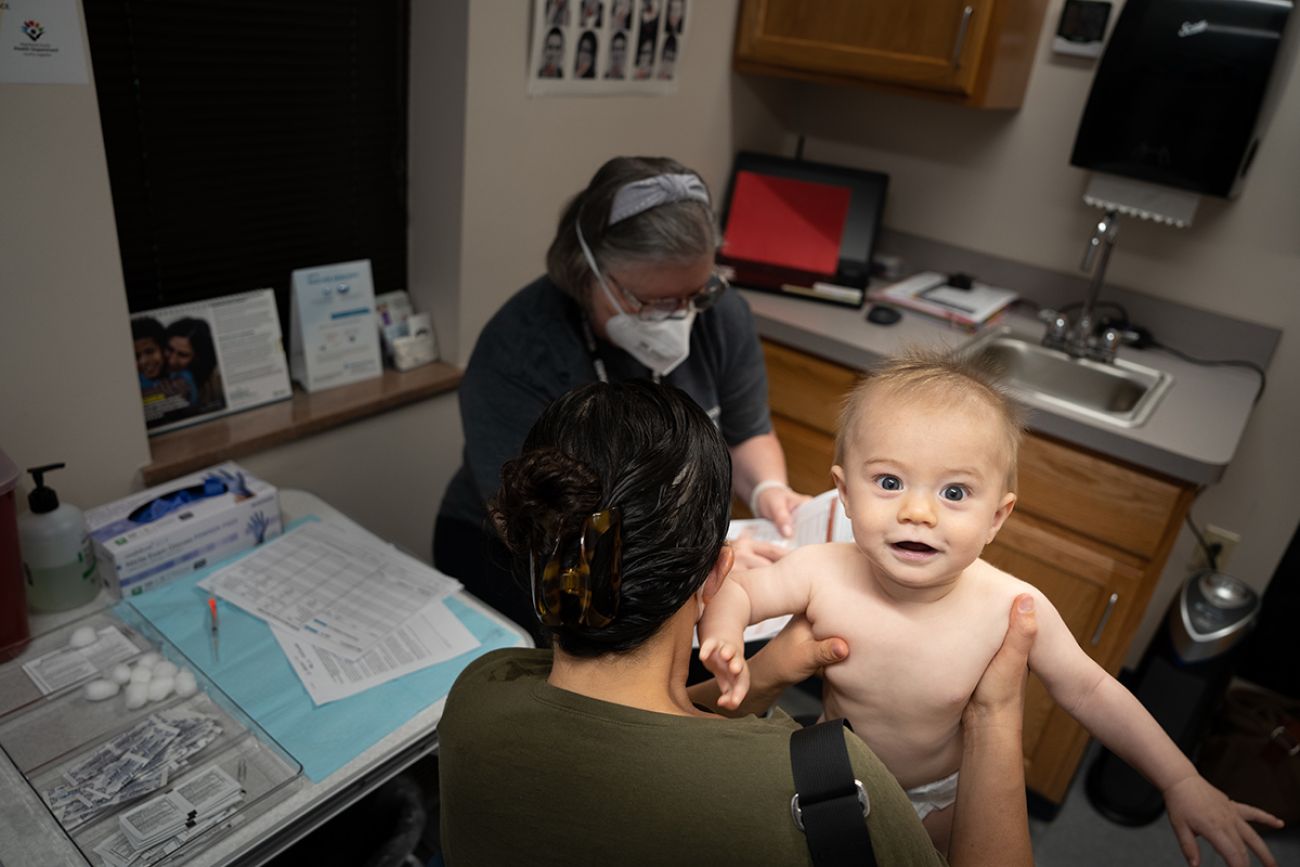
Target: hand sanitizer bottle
x: 58, y: 559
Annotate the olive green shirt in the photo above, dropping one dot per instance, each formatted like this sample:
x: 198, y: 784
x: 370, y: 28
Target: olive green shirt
x: 533, y: 774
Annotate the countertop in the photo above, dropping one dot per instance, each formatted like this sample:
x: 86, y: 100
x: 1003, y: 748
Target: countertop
x: 1192, y: 435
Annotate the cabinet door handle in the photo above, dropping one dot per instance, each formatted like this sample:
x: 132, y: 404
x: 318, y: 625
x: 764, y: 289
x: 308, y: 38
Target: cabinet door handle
x: 962, y: 29
x: 1105, y: 617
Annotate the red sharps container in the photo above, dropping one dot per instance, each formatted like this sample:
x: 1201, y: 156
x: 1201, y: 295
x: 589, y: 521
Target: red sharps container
x: 13, y: 595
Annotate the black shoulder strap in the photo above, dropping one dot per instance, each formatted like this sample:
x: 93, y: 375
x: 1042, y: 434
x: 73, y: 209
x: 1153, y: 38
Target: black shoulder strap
x: 829, y: 805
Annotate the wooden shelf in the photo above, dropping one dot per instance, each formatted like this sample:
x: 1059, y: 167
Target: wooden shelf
x: 184, y: 451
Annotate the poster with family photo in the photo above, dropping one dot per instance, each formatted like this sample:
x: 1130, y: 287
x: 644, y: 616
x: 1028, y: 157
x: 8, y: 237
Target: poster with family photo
x: 607, y: 47
x: 199, y: 361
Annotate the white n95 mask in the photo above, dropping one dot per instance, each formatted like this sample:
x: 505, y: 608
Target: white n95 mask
x: 660, y: 346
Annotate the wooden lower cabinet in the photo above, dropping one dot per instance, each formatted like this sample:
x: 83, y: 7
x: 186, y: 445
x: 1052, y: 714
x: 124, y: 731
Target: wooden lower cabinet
x: 1091, y: 532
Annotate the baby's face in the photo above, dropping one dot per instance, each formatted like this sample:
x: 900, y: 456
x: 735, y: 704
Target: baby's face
x: 925, y: 488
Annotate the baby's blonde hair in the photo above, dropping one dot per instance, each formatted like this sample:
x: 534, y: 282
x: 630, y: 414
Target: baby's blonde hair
x: 935, y: 378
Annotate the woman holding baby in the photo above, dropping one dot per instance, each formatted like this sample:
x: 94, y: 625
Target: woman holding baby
x: 596, y: 751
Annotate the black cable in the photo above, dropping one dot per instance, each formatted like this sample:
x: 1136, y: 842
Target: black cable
x: 1206, y: 362
x: 1211, y: 555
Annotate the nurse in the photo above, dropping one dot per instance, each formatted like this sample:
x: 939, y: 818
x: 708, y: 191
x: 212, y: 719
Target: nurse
x: 630, y: 292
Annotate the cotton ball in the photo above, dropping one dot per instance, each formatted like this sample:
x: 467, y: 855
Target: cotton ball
x: 164, y: 669
x: 121, y: 674
x: 82, y: 636
x: 136, y: 695
x: 186, y: 685
x: 160, y: 688
x: 141, y: 674
x: 149, y: 660
x: 98, y: 690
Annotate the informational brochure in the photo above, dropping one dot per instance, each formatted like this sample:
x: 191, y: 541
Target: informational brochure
x: 432, y: 635
x: 41, y: 43
x: 199, y: 361
x: 333, y: 335
x: 607, y: 47
x: 330, y: 586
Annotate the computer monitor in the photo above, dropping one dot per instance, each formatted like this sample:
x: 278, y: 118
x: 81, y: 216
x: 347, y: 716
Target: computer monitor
x: 791, y: 224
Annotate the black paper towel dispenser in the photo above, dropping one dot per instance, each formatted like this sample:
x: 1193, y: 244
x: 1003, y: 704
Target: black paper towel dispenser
x: 1177, y: 98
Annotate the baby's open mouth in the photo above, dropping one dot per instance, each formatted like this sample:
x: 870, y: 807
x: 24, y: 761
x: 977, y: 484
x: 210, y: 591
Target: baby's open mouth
x: 916, y: 547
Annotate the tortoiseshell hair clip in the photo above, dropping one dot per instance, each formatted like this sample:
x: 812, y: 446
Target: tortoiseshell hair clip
x: 580, y: 580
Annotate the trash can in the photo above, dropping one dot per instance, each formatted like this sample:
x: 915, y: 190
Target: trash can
x: 1181, y: 681
x: 380, y: 830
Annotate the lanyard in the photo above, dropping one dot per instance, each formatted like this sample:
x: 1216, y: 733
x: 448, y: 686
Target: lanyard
x: 598, y: 363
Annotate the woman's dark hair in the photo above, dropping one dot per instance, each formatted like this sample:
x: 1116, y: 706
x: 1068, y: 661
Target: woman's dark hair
x: 676, y: 232
x: 648, y: 450
x: 197, y: 332
x: 148, y: 328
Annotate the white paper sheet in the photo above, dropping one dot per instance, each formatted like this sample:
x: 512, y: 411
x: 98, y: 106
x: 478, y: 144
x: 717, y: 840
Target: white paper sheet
x: 432, y: 635
x: 330, y: 585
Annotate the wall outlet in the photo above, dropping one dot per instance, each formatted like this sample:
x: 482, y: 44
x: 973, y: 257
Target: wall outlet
x: 1226, y: 540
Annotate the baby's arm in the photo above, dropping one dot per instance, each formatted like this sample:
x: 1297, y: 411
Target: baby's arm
x: 1117, y: 719
x: 747, y: 597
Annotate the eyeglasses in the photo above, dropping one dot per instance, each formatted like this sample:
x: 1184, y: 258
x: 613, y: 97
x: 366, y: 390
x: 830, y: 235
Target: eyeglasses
x: 659, y: 309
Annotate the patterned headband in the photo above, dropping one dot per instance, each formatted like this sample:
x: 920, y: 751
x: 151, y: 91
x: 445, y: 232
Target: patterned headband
x: 651, y: 192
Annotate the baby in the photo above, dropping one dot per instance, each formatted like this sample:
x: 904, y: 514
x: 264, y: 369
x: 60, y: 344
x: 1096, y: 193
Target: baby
x: 925, y: 469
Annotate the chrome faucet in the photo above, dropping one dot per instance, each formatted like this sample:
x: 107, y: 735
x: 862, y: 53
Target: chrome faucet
x: 1079, y: 336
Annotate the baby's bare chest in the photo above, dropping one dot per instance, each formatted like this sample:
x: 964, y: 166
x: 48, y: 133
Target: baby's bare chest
x: 914, y: 663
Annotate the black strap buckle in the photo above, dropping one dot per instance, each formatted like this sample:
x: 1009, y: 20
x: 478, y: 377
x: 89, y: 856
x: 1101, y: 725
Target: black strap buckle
x: 796, y: 811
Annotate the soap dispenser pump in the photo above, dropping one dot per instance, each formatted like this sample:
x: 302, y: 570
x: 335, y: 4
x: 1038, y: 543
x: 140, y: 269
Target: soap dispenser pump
x: 58, y: 560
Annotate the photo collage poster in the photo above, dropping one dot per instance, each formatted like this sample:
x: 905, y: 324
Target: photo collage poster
x: 606, y: 47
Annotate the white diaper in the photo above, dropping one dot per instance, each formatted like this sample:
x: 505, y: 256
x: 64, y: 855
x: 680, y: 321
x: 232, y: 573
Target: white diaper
x: 928, y: 797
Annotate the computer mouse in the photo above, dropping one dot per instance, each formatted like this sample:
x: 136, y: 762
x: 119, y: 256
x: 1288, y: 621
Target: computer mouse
x: 883, y: 315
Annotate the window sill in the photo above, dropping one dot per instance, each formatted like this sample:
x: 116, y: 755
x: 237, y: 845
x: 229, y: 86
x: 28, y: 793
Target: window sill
x: 184, y: 451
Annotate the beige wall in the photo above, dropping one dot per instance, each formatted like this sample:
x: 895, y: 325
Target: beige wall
x: 1001, y: 183
x: 525, y: 157
x: 67, y: 375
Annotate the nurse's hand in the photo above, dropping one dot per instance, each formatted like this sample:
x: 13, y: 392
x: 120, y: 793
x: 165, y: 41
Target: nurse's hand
x: 777, y: 504
x: 755, y: 554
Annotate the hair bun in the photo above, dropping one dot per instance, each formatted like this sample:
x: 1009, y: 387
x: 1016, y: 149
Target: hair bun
x: 543, y: 493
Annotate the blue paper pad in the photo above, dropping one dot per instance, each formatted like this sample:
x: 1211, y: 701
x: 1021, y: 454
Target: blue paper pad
x: 255, y: 673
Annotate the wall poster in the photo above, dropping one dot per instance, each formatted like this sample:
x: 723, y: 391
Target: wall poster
x: 606, y: 47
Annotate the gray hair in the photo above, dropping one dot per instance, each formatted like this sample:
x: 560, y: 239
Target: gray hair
x: 676, y: 232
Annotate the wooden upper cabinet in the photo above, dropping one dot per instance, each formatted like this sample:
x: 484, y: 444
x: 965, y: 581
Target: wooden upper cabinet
x: 976, y: 52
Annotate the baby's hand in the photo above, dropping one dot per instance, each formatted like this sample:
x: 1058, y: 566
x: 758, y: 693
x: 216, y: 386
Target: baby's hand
x: 1197, y: 808
x: 728, y: 665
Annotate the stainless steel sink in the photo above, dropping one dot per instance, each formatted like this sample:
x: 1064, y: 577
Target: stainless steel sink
x: 1121, y: 393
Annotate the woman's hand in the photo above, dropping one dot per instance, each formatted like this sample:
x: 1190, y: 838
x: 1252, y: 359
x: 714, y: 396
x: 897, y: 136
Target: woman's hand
x: 777, y: 504
x: 752, y: 553
x: 999, y: 697
x: 792, y: 656
x: 991, y: 822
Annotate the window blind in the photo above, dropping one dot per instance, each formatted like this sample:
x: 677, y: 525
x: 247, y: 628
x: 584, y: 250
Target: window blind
x: 247, y: 139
